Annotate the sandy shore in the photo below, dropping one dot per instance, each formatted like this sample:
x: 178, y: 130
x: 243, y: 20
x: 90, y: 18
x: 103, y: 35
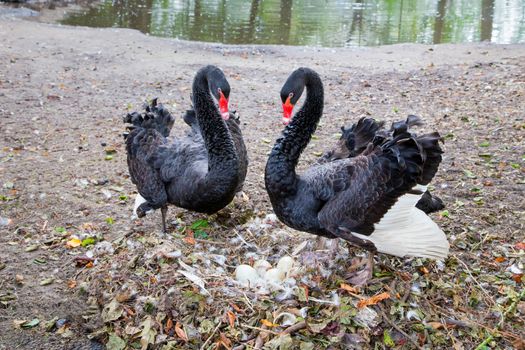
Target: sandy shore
x: 64, y: 90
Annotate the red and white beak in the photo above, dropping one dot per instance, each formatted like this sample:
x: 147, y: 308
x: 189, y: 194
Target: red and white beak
x: 287, y: 111
x: 223, y: 106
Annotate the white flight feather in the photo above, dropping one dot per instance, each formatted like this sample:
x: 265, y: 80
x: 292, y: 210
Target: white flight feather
x: 407, y: 231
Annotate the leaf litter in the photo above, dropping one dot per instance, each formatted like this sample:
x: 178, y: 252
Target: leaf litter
x: 146, y: 290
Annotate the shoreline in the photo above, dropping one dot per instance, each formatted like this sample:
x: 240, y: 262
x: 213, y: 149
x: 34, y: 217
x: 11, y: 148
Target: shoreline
x: 64, y: 91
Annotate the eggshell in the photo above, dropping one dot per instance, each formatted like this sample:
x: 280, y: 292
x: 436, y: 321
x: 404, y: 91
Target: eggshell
x: 261, y: 266
x: 285, y: 264
x: 246, y: 274
x: 274, y: 275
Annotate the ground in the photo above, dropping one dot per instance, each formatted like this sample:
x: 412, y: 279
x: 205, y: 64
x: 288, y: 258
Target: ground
x: 64, y: 182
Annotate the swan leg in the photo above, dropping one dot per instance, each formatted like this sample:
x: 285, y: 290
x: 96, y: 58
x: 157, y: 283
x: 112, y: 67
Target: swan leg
x: 163, y: 211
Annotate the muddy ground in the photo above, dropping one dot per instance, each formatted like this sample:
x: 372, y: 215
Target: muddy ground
x: 63, y: 93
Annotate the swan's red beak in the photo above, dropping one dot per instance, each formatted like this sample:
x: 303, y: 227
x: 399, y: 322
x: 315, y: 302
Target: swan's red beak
x: 287, y: 111
x: 223, y: 106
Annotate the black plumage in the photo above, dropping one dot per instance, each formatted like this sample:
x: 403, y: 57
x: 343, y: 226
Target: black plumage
x: 344, y: 196
x: 200, y: 172
x: 355, y: 138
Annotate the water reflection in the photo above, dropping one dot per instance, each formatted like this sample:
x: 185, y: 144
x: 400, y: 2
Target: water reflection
x: 331, y: 23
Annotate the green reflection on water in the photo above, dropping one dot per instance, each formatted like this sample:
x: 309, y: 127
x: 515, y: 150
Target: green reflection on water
x: 321, y: 23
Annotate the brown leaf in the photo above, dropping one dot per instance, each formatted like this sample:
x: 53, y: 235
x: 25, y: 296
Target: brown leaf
x: 231, y: 318
x: 520, y: 245
x: 349, y: 288
x: 236, y: 307
x: 189, y: 238
x: 180, y: 332
x: 499, y: 259
x: 267, y: 323
x: 373, y: 300
x: 169, y: 325
x: 436, y: 325
x: 71, y: 284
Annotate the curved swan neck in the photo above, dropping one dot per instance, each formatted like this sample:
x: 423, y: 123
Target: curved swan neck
x: 296, y: 136
x: 217, y: 139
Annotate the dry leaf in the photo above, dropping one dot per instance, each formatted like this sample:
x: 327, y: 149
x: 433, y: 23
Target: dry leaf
x: 231, y: 318
x: 73, y: 243
x: 373, y: 300
x: 436, y: 325
x: 499, y: 259
x: 236, y: 307
x: 517, y: 277
x: 180, y: 332
x: 189, y: 238
x: 71, y: 284
x: 349, y: 288
x: 520, y: 245
x: 268, y: 323
x: 169, y: 325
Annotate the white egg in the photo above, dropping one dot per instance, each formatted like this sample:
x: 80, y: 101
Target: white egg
x: 285, y: 264
x: 261, y: 266
x: 274, y: 275
x: 246, y: 275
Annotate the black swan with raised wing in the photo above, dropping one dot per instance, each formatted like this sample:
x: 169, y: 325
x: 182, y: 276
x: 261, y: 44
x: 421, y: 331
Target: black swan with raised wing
x: 368, y: 200
x: 355, y: 138
x: 200, y: 172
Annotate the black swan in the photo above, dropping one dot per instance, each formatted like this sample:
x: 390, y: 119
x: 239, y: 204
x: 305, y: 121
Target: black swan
x: 354, y: 140
x: 368, y: 200
x: 200, y: 172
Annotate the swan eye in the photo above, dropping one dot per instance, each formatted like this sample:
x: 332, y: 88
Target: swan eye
x: 290, y: 94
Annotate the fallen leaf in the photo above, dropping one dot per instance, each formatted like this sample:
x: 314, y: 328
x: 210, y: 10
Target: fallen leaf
x: 268, y: 323
x: 71, y: 284
x: 349, y: 288
x: 115, y: 343
x: 517, y: 277
x: 112, y: 311
x: 30, y: 324
x: 520, y: 245
x: 499, y: 259
x: 436, y: 325
x: 47, y: 281
x: 73, y: 243
x: 169, y: 325
x: 231, y: 318
x: 147, y: 336
x: 189, y: 238
x: 373, y: 300
x: 180, y: 332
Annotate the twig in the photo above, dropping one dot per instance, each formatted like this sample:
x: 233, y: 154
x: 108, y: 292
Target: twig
x: 296, y: 327
x: 260, y: 329
x: 389, y: 321
x: 211, y: 336
x: 510, y: 309
x: 475, y: 280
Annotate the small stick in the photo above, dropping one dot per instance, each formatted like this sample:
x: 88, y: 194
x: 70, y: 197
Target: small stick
x: 296, y: 327
x: 475, y: 280
x: 260, y: 329
x: 211, y: 336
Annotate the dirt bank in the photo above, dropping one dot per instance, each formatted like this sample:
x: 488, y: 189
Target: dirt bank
x: 63, y: 92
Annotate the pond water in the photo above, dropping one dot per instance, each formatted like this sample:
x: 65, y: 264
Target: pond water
x: 329, y: 23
